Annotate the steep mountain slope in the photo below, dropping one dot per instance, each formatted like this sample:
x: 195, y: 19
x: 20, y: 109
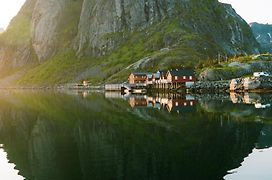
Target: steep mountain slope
x: 263, y: 34
x: 71, y: 40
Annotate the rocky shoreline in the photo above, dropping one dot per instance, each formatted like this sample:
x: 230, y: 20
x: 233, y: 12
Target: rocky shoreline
x: 251, y: 84
x: 210, y: 86
x: 247, y: 84
x: 239, y: 85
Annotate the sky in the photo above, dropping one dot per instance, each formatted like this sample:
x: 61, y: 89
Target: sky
x: 253, y: 10
x: 8, y: 9
x: 250, y: 10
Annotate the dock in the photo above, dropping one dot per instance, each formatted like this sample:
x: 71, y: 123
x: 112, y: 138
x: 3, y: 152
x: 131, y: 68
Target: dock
x: 134, y: 88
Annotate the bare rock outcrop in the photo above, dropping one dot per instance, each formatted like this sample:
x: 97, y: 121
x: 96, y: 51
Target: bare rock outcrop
x: 45, y: 20
x: 251, y: 84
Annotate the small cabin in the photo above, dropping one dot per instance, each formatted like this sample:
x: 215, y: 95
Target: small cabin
x: 137, y: 78
x: 181, y: 76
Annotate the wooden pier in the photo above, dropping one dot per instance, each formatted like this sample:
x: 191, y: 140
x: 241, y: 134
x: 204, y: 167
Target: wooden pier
x: 137, y: 88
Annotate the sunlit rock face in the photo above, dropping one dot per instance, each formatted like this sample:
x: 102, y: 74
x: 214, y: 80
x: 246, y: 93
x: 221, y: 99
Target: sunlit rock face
x: 45, y: 19
x: 125, y: 15
x: 263, y: 34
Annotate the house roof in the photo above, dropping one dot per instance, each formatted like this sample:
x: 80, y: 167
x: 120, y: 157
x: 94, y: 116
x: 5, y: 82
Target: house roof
x: 162, y: 71
x: 182, y: 72
x: 139, y: 74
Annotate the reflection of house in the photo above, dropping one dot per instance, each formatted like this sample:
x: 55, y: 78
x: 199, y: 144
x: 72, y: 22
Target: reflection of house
x: 134, y: 101
x: 180, y: 105
x: 137, y: 78
x: 181, y: 77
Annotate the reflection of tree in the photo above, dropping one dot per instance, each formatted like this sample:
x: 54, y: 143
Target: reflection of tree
x: 65, y: 137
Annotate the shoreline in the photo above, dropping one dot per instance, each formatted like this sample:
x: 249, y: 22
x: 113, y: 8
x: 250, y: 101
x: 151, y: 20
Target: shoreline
x: 201, y: 87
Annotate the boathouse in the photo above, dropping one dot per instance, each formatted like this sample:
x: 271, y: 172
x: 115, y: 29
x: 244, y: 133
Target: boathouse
x: 181, y: 77
x: 137, y: 78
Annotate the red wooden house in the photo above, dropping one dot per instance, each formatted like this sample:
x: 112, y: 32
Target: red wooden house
x: 181, y: 77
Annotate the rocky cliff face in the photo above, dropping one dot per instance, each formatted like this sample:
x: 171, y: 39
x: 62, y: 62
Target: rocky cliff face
x: 44, y: 26
x: 95, y: 28
x: 208, y: 18
x: 263, y: 34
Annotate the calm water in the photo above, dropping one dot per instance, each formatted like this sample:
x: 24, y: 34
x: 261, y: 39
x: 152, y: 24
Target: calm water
x: 82, y: 136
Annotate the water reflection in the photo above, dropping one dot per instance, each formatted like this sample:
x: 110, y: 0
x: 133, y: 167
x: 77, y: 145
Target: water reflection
x: 89, y: 135
x: 169, y: 102
x: 251, y: 98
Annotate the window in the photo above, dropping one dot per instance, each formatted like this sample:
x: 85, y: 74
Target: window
x: 184, y: 77
x: 177, y: 104
x: 185, y: 104
x: 191, y: 77
x: 176, y: 77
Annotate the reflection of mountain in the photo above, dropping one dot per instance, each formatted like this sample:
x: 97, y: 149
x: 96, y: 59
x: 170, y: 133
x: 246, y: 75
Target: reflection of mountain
x: 56, y: 136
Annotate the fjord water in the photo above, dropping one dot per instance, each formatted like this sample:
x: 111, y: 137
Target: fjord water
x: 90, y: 135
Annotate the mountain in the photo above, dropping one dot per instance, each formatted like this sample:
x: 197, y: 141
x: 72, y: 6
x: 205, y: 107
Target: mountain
x: 263, y: 34
x: 60, y: 41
